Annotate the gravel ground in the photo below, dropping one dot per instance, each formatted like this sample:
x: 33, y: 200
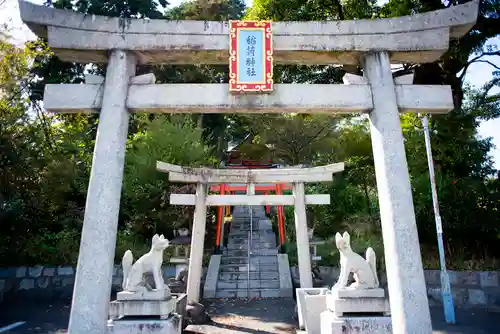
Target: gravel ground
x: 50, y: 316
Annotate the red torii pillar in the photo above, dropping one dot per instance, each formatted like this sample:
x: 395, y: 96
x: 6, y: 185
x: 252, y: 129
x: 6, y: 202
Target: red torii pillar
x: 224, y: 189
x: 281, y: 216
x: 220, y: 221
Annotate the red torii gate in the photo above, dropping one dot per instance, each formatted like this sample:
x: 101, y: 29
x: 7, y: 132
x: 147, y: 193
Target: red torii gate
x: 231, y: 189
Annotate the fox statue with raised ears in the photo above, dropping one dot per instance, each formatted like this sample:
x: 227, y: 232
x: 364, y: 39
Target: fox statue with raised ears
x: 364, y: 270
x: 134, y: 279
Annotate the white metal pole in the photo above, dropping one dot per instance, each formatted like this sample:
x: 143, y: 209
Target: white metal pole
x: 250, y: 192
x: 449, y: 310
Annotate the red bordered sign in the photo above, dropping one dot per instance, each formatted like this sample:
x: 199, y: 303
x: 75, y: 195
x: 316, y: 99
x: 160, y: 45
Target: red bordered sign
x: 250, y: 56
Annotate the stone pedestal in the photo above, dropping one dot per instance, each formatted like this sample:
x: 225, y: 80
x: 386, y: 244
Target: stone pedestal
x: 371, y: 301
x: 145, y: 312
x: 330, y: 323
x: 171, y: 325
x: 310, y: 303
x: 356, y: 311
x: 144, y: 295
x: 133, y: 308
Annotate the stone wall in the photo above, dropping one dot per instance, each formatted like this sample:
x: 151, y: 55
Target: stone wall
x: 469, y: 288
x: 52, y: 280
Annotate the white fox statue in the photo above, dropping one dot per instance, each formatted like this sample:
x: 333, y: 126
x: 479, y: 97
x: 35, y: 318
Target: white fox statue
x: 134, y: 279
x: 364, y: 270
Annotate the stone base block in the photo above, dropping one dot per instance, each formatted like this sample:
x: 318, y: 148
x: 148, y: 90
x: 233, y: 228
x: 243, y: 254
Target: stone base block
x: 172, y: 325
x: 302, y: 304
x: 331, y: 324
x: 161, y: 308
x: 355, y: 293
x: 315, y: 305
x: 145, y: 295
x: 340, y: 306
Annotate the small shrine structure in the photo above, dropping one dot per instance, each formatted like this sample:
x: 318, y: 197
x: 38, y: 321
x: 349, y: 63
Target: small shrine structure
x: 182, y: 250
x: 235, y: 159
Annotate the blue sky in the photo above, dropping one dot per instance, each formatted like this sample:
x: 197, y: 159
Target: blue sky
x: 477, y: 75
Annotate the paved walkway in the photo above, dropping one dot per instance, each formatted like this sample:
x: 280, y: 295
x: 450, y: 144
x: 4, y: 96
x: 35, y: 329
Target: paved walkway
x: 262, y: 316
x: 51, y: 315
x: 276, y: 316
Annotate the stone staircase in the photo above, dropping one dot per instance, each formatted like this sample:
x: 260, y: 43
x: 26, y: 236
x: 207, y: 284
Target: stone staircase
x: 234, y: 274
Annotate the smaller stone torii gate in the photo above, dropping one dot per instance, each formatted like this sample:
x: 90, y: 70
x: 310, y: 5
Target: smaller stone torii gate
x: 204, y: 176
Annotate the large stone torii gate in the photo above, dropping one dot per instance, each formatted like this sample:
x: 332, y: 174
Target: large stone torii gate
x: 373, y: 44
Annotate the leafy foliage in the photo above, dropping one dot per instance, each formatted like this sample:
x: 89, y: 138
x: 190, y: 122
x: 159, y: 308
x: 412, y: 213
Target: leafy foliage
x: 146, y: 192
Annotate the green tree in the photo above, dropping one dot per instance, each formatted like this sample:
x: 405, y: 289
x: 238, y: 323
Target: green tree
x: 38, y: 193
x: 146, y: 191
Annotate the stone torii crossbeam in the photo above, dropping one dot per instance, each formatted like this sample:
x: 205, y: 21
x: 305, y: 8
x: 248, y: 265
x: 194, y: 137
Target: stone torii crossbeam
x: 373, y: 44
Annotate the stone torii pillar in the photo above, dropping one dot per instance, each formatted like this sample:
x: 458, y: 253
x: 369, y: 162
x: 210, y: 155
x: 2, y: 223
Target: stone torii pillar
x: 399, y: 229
x: 197, y: 244
x: 94, y: 270
x: 302, y: 239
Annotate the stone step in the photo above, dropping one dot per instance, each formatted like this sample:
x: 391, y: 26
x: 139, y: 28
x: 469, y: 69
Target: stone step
x: 254, y: 284
x: 246, y: 233
x: 254, y: 250
x: 234, y: 260
x: 254, y: 234
x: 243, y: 268
x: 246, y: 224
x: 254, y: 260
x: 243, y: 232
x: 235, y: 276
x: 244, y: 240
x: 241, y: 241
x: 260, y: 214
x: 255, y: 241
x: 244, y: 252
x: 246, y: 293
x: 259, y: 237
x: 254, y: 245
x: 256, y: 219
x: 246, y: 218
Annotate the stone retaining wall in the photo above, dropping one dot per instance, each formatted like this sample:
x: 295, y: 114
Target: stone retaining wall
x: 469, y: 288
x: 50, y: 279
